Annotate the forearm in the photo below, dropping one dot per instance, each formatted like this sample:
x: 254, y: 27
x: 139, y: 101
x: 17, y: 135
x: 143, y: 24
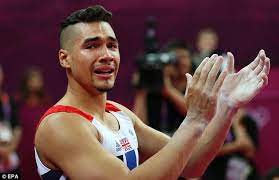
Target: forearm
x: 210, y: 143
x: 140, y: 105
x: 228, y: 149
x: 169, y: 162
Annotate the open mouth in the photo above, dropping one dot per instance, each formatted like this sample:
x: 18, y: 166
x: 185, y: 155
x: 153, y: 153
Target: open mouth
x: 104, y: 70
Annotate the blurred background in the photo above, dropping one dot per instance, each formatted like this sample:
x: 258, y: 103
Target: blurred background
x: 30, y: 43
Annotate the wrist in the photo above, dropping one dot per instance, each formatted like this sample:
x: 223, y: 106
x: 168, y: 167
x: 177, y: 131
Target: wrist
x: 225, y: 112
x: 225, y: 107
x: 223, y: 100
x: 194, y: 124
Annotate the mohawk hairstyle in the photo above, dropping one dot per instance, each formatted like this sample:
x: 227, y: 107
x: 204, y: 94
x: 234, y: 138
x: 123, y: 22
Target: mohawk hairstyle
x: 91, y: 14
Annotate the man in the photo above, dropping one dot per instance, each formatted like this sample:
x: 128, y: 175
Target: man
x: 172, y: 91
x: 84, y: 136
x: 175, y: 85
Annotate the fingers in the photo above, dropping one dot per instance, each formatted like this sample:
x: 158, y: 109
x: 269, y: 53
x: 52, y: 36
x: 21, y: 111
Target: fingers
x: 261, y: 84
x: 262, y: 69
x: 255, y: 63
x: 189, y: 81
x: 197, y: 73
x: 265, y: 72
x: 211, y: 78
x: 260, y: 66
x: 219, y: 82
x: 206, y: 69
x: 262, y: 54
x: 230, y: 63
x: 265, y: 80
x: 266, y: 66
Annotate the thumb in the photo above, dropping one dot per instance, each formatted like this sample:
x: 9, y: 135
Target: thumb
x: 189, y: 80
x: 230, y: 63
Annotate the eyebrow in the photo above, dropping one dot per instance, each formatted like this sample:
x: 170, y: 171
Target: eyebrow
x: 87, y: 40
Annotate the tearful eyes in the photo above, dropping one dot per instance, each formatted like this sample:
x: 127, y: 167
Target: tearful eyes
x: 90, y: 46
x: 112, y: 46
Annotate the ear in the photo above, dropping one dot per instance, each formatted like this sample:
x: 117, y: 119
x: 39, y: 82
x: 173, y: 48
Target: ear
x: 64, y: 58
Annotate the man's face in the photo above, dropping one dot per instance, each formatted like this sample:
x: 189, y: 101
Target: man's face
x: 94, y: 56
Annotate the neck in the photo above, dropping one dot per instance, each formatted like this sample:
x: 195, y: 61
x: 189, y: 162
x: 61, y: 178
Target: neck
x: 86, y: 101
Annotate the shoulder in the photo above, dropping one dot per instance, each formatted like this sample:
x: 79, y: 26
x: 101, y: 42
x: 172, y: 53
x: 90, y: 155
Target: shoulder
x: 60, y: 130
x: 62, y: 123
x: 64, y: 138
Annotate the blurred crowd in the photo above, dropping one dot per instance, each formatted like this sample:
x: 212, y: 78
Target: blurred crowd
x: 159, y: 103
x: 19, y: 115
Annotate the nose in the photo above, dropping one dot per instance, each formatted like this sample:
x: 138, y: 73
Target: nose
x: 106, y: 54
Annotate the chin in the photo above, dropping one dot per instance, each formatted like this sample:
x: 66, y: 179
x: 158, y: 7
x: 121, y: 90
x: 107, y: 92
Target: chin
x: 104, y: 89
x: 103, y: 85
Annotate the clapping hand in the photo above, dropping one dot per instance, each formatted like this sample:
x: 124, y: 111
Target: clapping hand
x: 241, y: 87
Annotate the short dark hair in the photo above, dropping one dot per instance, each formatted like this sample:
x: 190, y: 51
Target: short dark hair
x: 91, y: 14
